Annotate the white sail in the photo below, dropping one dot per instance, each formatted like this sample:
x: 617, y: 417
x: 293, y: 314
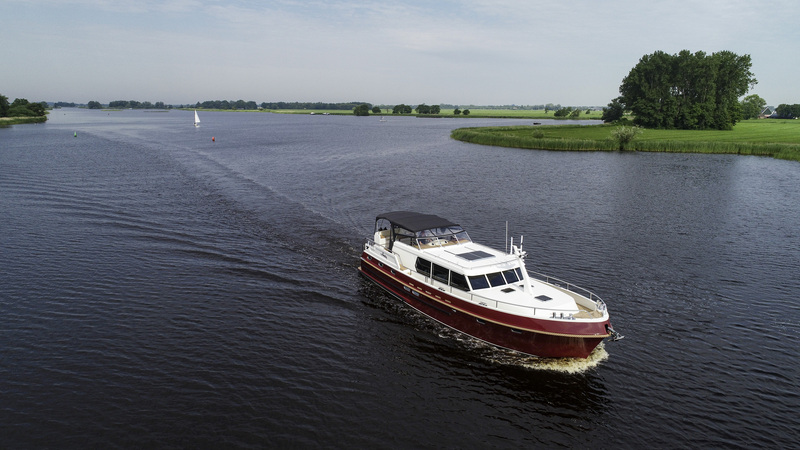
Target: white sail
x: 196, y: 119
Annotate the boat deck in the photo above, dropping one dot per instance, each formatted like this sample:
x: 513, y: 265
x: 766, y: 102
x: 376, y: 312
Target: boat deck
x: 586, y: 313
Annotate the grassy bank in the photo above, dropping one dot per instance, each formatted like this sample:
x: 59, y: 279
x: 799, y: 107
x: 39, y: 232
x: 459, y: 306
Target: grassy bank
x: 6, y: 121
x: 765, y: 137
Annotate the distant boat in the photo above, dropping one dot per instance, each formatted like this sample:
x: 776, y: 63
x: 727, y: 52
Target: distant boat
x: 196, y: 119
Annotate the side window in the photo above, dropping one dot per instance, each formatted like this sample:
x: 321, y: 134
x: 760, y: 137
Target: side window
x: 441, y: 273
x: 511, y: 276
x: 423, y: 266
x: 459, y: 281
x: 478, y: 282
x: 496, y: 279
x: 519, y: 273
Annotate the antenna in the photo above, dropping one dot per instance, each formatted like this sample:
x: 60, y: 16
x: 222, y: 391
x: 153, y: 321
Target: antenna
x: 506, y: 240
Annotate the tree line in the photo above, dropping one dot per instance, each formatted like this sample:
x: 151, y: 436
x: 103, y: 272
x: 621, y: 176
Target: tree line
x: 312, y: 105
x: 133, y: 104
x: 692, y: 91
x: 358, y: 108
x: 784, y: 111
x: 21, y: 107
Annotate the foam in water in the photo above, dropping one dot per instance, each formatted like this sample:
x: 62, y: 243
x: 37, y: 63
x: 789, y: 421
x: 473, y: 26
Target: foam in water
x: 506, y: 357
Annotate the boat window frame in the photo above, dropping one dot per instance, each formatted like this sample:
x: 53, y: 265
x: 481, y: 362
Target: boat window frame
x: 462, y: 282
x: 495, y: 280
x: 419, y: 263
x: 514, y: 272
x: 477, y: 277
x: 442, y: 270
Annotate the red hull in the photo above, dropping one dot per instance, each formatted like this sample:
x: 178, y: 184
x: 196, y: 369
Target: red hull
x: 544, y: 338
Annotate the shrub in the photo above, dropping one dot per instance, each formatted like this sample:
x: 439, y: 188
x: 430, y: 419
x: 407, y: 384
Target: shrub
x: 625, y: 135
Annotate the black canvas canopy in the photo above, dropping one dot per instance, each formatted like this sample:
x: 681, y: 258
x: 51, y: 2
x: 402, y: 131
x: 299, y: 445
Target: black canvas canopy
x: 413, y: 221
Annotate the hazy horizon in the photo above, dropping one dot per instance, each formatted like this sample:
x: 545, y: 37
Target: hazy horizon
x: 472, y: 52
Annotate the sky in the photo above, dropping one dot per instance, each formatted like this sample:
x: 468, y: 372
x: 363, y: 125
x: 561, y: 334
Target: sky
x: 470, y: 52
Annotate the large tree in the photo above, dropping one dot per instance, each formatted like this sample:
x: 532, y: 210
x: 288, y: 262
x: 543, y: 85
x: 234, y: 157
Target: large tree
x: 361, y: 110
x: 3, y: 106
x: 422, y: 108
x: 687, y: 90
x: 752, y: 106
x: 401, y: 109
x: 614, y: 111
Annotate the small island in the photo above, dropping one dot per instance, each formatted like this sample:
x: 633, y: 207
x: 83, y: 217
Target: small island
x: 21, y: 111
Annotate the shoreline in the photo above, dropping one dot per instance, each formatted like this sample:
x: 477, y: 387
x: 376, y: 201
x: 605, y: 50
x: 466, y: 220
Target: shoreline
x: 782, y: 141
x: 8, y: 121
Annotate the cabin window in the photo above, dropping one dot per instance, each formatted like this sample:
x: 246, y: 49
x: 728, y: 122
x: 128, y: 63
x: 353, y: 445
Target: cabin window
x: 458, y: 281
x: 519, y: 273
x: 478, y: 282
x: 423, y: 266
x: 511, y: 276
x: 496, y: 279
x: 441, y: 273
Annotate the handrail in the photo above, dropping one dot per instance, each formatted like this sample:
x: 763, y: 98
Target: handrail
x: 601, y: 304
x: 485, y: 301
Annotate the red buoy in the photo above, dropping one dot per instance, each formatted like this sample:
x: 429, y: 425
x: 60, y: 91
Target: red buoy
x: 212, y: 139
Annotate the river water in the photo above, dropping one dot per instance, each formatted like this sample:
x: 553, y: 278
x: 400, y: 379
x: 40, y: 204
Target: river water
x: 163, y: 289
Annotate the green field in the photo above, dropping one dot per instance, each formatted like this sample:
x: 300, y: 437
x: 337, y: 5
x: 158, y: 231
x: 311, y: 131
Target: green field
x: 764, y: 137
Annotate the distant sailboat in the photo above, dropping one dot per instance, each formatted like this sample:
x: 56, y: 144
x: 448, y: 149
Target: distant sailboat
x: 196, y: 119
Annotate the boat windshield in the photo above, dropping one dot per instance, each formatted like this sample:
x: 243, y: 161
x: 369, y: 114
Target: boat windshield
x: 419, y: 237
x: 440, y: 236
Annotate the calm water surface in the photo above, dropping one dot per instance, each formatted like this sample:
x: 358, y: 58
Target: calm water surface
x: 160, y: 289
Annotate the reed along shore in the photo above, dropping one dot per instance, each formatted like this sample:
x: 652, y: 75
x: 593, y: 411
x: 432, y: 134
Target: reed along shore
x: 776, y: 138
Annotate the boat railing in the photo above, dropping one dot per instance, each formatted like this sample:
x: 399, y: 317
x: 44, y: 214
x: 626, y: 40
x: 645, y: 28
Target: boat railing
x: 600, y: 305
x: 537, y: 310
x: 583, y: 292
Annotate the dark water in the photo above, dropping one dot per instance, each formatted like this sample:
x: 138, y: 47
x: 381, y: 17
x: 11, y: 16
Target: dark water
x: 159, y: 289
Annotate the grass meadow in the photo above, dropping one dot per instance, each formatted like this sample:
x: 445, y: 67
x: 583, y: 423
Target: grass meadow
x: 762, y: 137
